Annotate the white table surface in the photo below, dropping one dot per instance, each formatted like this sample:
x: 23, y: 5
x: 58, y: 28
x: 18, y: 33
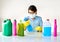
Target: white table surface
x: 31, y: 37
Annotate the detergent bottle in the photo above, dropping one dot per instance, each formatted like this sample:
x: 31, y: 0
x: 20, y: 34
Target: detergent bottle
x: 20, y: 28
x: 14, y: 27
x: 46, y: 28
x: 7, y: 27
x: 55, y: 28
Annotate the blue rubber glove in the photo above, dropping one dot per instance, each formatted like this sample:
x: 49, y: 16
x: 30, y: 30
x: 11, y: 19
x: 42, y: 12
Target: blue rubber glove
x: 29, y: 28
x: 26, y: 18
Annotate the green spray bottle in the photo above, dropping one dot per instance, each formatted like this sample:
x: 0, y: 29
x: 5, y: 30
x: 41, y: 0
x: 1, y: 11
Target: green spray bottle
x: 7, y: 27
x: 20, y: 28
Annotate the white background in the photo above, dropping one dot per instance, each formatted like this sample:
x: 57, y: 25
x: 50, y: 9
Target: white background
x: 18, y: 9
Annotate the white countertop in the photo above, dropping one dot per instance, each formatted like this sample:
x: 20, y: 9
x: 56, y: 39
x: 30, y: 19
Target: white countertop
x: 34, y: 37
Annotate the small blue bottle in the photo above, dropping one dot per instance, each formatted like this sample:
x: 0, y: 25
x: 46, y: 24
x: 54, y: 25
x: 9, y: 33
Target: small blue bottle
x: 47, y: 28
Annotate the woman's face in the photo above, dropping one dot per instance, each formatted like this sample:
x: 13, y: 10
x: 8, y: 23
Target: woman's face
x: 32, y: 14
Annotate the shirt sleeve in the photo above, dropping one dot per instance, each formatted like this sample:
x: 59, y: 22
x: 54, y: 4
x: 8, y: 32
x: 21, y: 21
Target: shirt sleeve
x: 41, y: 22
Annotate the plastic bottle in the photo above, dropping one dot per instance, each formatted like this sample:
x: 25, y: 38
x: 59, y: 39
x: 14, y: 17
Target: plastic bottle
x: 55, y: 28
x: 47, y: 28
x: 20, y: 29
x: 14, y: 27
x: 7, y: 27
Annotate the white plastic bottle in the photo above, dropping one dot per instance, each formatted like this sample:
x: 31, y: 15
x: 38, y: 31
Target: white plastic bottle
x: 46, y: 28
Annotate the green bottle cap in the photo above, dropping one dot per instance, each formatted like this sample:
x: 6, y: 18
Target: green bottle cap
x: 20, y: 20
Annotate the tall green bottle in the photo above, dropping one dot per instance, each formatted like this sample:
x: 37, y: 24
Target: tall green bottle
x: 7, y: 27
x: 20, y: 28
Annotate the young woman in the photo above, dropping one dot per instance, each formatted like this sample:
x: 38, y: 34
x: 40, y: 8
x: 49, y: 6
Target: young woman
x: 34, y: 19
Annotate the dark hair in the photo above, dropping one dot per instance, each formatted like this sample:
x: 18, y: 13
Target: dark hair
x: 32, y: 8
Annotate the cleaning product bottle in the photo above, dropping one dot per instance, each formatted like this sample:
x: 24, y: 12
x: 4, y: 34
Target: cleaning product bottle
x: 20, y: 28
x: 47, y: 28
x: 7, y: 27
x: 14, y: 27
x: 55, y: 28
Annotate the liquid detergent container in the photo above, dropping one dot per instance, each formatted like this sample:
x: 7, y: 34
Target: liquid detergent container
x: 14, y: 27
x: 7, y: 27
x: 20, y: 29
x: 55, y: 28
x: 46, y: 28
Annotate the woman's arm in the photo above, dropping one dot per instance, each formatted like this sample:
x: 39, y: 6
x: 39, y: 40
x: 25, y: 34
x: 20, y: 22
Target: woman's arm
x: 41, y: 22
